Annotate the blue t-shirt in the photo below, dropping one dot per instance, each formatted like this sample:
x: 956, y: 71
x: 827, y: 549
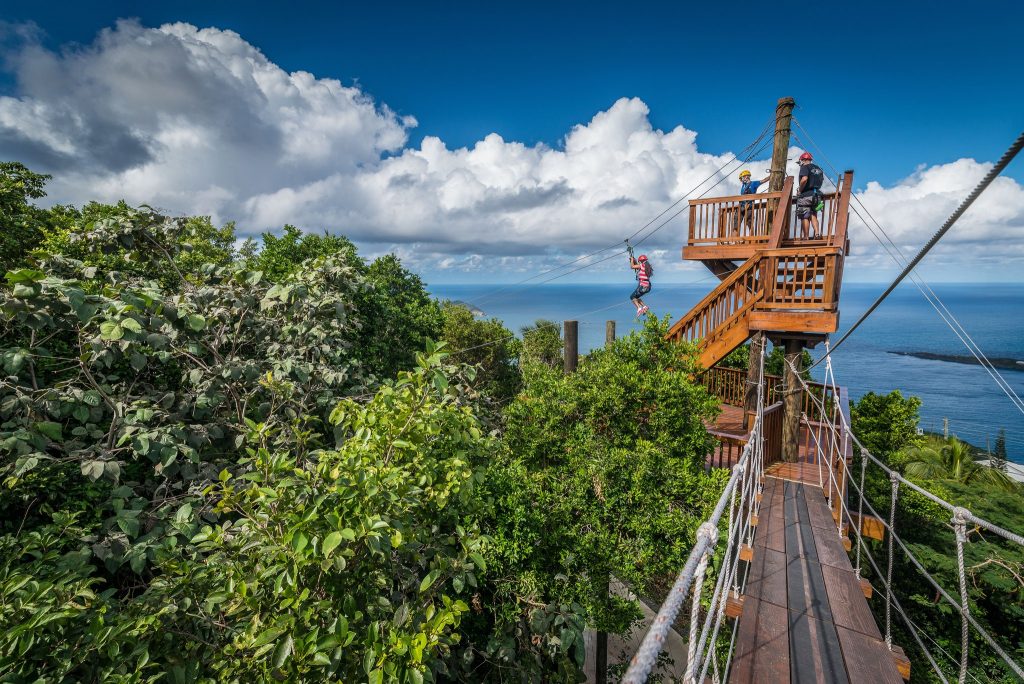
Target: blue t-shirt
x: 750, y: 187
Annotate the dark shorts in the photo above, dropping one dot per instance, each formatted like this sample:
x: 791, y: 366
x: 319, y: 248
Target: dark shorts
x: 640, y: 291
x: 805, y: 205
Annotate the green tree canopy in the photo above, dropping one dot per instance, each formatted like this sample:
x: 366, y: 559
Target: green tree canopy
x: 486, y: 344
x: 601, y: 474
x: 21, y: 223
x: 133, y: 246
x: 280, y: 256
x: 886, y: 423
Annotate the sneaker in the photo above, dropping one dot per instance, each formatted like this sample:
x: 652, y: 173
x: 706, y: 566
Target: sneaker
x: 643, y: 310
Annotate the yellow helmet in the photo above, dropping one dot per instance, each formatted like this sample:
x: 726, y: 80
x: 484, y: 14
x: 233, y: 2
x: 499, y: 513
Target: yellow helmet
x: 744, y: 172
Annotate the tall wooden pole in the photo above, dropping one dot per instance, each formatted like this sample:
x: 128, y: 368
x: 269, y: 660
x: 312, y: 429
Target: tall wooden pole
x: 780, y: 150
x: 793, y: 401
x: 572, y: 348
x: 609, y: 333
x: 776, y: 178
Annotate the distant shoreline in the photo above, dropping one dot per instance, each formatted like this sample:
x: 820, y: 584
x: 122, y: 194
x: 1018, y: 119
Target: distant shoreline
x: 997, y: 361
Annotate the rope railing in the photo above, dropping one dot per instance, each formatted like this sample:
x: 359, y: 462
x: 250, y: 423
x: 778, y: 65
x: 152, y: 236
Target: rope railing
x: 959, y: 519
x: 740, y: 497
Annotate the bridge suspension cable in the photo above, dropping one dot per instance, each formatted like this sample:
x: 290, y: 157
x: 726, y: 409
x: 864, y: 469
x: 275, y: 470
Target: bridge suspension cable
x: 959, y: 519
x: 747, y: 154
x: 947, y: 316
x: 993, y: 173
x: 741, y: 498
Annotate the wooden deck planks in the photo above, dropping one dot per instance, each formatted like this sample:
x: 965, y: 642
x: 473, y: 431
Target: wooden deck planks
x: 762, y: 645
x: 867, y: 659
x: 805, y: 618
x: 850, y: 609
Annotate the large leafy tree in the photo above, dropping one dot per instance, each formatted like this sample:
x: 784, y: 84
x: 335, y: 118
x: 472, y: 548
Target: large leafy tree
x: 486, y: 344
x: 189, y: 494
x: 279, y: 256
x: 886, y: 423
x: 21, y: 223
x: 399, y: 316
x: 542, y: 343
x: 171, y: 261
x: 601, y: 475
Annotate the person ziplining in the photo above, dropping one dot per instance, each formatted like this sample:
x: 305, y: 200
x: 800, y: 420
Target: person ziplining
x: 644, y: 271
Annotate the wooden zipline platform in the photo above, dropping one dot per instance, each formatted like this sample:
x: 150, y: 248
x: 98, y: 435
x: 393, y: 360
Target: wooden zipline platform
x: 804, y: 614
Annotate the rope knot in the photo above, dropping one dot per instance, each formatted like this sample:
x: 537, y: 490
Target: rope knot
x: 960, y: 515
x: 864, y: 453
x: 709, y: 532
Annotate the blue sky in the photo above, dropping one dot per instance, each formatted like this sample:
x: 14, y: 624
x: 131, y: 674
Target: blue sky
x: 885, y: 88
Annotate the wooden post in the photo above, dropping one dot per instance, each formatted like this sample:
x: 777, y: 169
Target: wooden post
x: 793, y: 402
x: 572, y: 347
x: 609, y: 333
x: 776, y: 179
x: 757, y: 344
x: 783, y: 116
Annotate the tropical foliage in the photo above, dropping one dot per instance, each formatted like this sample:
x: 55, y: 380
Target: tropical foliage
x: 887, y: 425
x: 951, y: 459
x: 255, y: 465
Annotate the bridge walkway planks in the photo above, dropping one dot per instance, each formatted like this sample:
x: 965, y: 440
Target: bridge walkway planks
x: 805, y: 618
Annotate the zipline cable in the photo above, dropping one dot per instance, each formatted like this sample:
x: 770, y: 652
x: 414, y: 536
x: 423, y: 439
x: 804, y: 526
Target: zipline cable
x: 924, y: 288
x: 968, y: 201
x: 734, y: 157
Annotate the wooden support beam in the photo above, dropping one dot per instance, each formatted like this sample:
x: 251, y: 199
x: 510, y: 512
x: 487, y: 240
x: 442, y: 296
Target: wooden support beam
x: 870, y: 526
x: 794, y: 321
x: 902, y: 662
x: 793, y: 401
x: 734, y: 604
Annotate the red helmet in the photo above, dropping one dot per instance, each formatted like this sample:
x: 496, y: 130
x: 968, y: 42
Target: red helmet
x: 806, y: 156
x: 642, y: 257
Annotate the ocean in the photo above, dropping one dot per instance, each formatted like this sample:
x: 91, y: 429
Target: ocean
x: 975, y: 406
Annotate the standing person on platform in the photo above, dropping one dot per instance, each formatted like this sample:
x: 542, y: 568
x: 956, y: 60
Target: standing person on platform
x: 808, y: 198
x: 747, y: 187
x: 644, y: 271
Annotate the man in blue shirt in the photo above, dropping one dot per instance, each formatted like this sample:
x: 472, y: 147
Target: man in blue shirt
x: 748, y: 187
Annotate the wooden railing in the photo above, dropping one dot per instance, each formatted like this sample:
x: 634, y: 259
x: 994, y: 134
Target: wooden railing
x: 737, y: 219
x: 830, y: 449
x: 729, y: 447
x: 801, y: 278
x: 771, y: 430
x: 796, y: 278
x: 733, y: 297
x: 751, y: 221
x: 729, y: 385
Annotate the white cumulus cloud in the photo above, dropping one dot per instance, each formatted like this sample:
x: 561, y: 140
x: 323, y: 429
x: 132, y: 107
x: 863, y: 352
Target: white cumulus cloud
x: 199, y: 121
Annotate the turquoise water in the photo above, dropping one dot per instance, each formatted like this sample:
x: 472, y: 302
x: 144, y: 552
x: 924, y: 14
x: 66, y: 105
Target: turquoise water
x: 966, y: 395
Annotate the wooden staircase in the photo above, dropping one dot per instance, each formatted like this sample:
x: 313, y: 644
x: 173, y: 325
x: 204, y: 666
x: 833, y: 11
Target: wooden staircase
x: 787, y: 282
